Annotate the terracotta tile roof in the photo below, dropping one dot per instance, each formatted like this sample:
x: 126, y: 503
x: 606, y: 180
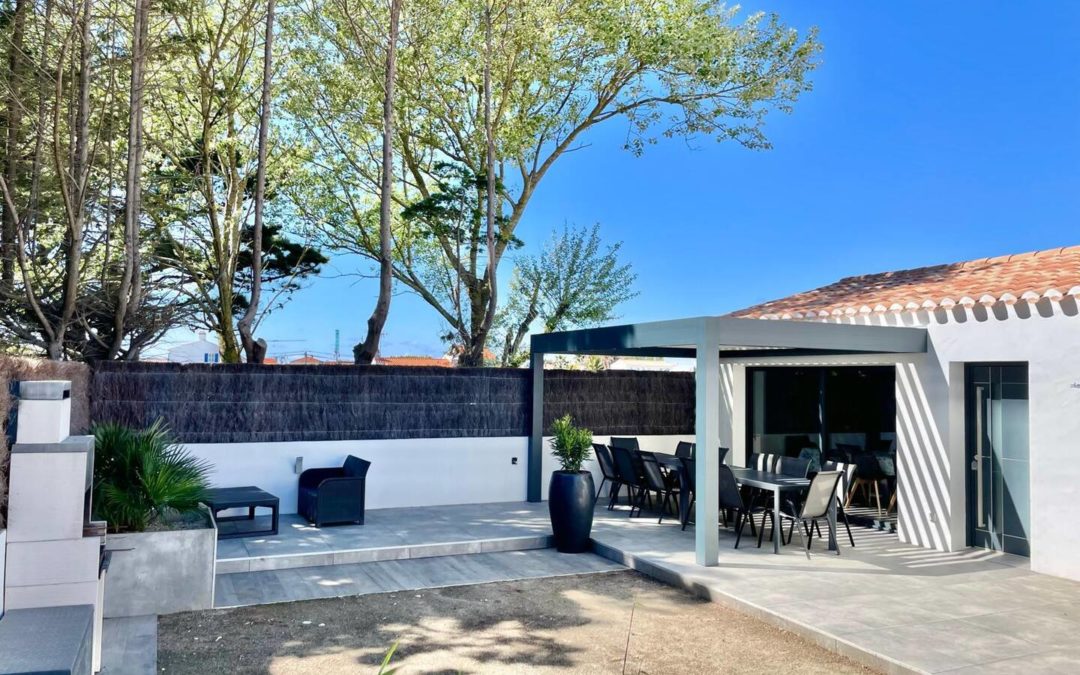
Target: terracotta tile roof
x: 305, y: 361
x: 1050, y: 274
x: 414, y: 361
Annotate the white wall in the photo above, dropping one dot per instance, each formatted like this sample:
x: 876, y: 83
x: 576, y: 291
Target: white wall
x: 414, y: 472
x: 931, y: 455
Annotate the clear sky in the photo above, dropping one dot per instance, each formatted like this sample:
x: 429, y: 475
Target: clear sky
x: 936, y: 132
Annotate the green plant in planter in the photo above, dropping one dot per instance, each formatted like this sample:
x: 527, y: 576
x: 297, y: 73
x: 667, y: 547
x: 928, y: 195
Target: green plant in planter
x: 142, y: 477
x: 570, y: 444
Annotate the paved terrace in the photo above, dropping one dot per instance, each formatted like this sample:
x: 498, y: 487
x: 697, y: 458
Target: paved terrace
x: 893, y: 606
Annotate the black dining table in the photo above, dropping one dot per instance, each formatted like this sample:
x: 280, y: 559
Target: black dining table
x: 779, y: 484
x: 776, y: 483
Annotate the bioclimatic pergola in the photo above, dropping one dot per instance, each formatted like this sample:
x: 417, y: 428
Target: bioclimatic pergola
x: 709, y: 340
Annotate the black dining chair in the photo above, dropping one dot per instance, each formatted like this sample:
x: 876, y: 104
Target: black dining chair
x: 796, y: 467
x: 628, y: 442
x: 655, y: 481
x: 731, y: 499
x: 629, y: 471
x: 816, y: 507
x: 684, y: 449
x: 607, y: 470
x: 689, y: 467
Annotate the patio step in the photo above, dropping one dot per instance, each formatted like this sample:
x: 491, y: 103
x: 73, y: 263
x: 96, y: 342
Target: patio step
x: 349, y: 556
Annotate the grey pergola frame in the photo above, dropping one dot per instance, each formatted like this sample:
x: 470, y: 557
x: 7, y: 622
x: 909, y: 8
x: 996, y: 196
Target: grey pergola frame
x: 709, y: 340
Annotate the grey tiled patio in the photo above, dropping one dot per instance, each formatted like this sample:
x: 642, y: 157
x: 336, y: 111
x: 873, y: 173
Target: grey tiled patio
x: 388, y: 534
x: 893, y: 606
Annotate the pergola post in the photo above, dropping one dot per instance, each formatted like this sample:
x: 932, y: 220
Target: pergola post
x: 536, y: 434
x: 707, y: 427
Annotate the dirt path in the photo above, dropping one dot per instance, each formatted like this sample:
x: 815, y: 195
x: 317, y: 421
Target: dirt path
x: 565, y: 624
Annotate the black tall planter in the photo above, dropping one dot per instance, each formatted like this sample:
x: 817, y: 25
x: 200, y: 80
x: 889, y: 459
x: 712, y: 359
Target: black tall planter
x: 570, y: 502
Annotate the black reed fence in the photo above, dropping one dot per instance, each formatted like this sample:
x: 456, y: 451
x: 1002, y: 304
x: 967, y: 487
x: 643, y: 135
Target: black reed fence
x: 241, y: 403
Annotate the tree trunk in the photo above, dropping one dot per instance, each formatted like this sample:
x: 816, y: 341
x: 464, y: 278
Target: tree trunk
x: 255, y: 350
x: 479, y: 338
x: 365, y: 352
x: 130, y: 290
x: 16, y: 70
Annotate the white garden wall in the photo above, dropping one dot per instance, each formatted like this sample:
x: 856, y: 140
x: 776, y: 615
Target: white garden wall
x: 414, y: 472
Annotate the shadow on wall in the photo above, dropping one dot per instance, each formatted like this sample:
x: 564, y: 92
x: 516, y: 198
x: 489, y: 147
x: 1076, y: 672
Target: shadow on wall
x: 923, y: 502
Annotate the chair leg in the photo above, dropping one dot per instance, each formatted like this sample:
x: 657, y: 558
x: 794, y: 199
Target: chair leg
x: 851, y: 493
x: 847, y: 526
x: 804, y: 540
x: 614, y: 494
x: 892, y: 502
x: 740, y: 524
x: 599, y: 489
x: 689, y: 510
x: 877, y: 497
x: 817, y: 529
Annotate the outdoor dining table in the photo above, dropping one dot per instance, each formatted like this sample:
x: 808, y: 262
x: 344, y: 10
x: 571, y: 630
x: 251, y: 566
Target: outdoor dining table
x: 778, y: 484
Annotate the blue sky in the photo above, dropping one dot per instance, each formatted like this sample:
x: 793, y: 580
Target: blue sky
x: 936, y: 132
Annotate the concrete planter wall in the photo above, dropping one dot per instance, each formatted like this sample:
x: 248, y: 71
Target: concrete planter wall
x: 162, y: 573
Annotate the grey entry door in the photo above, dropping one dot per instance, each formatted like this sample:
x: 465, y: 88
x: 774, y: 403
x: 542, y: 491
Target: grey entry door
x: 999, y: 483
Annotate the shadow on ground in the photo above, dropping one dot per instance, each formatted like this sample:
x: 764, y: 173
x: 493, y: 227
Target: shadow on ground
x: 587, y: 623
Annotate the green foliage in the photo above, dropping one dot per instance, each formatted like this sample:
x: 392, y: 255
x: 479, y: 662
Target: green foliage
x: 575, y: 282
x: 142, y: 477
x: 571, y: 445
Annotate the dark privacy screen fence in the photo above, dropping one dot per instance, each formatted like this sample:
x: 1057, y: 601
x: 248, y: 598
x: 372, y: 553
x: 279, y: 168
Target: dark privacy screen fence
x: 242, y: 403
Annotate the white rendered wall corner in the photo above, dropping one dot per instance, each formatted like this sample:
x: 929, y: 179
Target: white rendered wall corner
x: 48, y: 560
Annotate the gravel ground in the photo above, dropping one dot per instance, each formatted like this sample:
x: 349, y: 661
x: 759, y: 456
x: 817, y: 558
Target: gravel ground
x: 587, y: 624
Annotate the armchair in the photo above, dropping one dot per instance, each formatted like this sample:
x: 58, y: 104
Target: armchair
x: 333, y: 496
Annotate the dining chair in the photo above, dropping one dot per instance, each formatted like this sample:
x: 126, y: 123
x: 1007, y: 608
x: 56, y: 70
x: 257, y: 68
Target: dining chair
x: 607, y: 470
x: 818, y: 499
x: 628, y: 442
x: 689, y: 467
x: 731, y: 498
x: 684, y: 449
x: 654, y: 481
x: 792, y: 466
x: 848, y: 471
x: 629, y: 471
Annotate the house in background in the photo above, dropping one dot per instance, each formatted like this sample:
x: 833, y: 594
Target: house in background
x: 430, y: 361
x: 199, y: 351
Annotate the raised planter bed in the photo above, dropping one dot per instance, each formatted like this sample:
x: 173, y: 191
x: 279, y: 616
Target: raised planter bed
x: 161, y: 572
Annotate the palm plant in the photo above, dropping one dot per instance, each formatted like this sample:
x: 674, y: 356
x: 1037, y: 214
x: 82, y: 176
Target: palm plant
x: 142, y: 476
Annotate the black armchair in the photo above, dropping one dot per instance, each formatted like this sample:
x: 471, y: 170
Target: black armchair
x: 333, y: 496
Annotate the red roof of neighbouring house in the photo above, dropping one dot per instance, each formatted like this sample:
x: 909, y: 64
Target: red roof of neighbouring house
x: 413, y: 361
x: 305, y: 361
x: 1051, y: 274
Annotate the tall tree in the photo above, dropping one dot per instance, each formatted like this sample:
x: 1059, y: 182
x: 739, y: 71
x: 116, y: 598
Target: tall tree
x: 676, y: 68
x: 366, y: 351
x: 255, y: 350
x: 17, y: 71
x: 574, y: 282
x: 129, y: 292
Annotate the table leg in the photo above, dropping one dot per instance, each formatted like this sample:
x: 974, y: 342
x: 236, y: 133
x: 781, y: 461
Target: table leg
x: 274, y: 518
x: 776, y: 521
x: 251, y: 513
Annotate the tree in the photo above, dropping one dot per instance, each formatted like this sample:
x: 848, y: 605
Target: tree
x: 574, y: 282
x: 255, y: 351
x: 548, y: 73
x: 365, y: 352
